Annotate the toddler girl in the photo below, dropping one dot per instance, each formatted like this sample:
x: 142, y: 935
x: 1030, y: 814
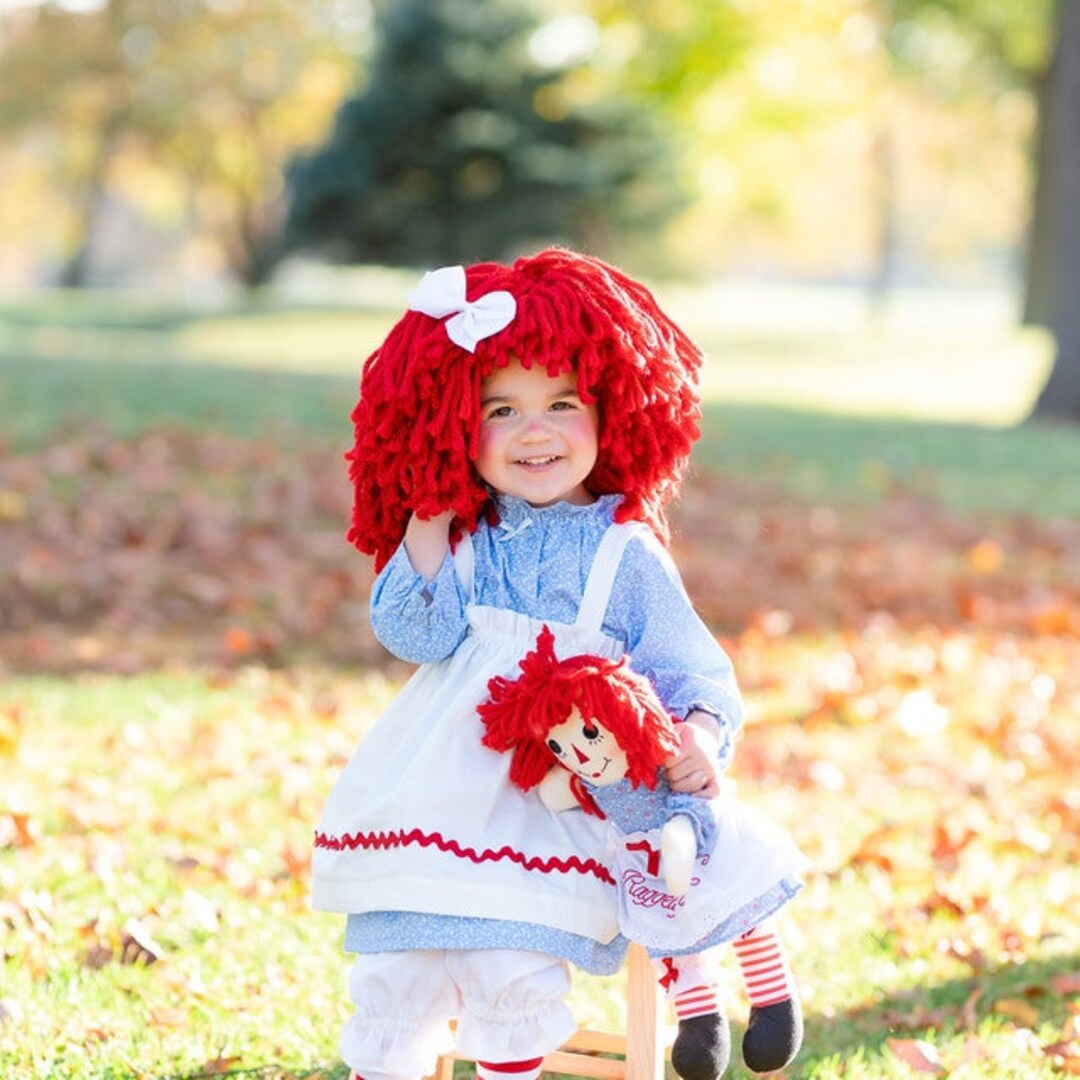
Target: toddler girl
x: 518, y: 436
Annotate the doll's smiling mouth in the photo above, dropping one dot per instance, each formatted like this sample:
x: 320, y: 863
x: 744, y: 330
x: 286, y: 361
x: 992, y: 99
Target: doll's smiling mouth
x: 603, y: 768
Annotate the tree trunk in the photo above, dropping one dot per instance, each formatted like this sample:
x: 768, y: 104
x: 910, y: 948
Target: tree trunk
x: 885, y: 198
x: 1042, y: 250
x: 75, y: 272
x: 1059, y: 188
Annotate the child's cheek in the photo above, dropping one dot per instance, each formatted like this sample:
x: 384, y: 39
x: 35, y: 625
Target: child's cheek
x: 580, y: 426
x: 487, y: 445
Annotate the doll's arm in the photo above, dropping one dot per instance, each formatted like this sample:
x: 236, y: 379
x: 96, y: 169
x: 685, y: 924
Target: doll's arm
x: 678, y: 850
x: 555, y: 791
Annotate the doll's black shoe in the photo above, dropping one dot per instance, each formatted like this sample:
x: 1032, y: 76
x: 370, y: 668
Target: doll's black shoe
x: 773, y: 1036
x: 702, y: 1047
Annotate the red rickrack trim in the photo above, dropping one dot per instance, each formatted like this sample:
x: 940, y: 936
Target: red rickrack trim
x: 397, y: 838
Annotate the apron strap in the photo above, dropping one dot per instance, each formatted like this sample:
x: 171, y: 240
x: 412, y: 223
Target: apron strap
x: 605, y: 566
x: 464, y: 561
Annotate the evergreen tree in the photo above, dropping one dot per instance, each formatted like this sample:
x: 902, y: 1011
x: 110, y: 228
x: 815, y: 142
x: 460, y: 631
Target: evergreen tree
x: 461, y: 147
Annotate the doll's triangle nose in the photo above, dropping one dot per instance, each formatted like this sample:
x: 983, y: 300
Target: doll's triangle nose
x: 582, y: 758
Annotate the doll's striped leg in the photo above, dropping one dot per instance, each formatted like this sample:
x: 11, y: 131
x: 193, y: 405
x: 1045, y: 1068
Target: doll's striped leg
x: 774, y: 1032
x: 702, y: 1046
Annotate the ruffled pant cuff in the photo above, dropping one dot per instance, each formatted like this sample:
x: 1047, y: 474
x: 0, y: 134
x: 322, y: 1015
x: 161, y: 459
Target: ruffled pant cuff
x: 530, y: 1034
x: 403, y: 1049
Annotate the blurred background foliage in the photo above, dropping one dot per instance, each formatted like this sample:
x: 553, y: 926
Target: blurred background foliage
x: 205, y: 148
x: 878, y: 141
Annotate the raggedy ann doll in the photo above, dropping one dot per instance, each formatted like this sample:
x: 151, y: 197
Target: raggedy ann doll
x: 691, y: 873
x: 518, y: 436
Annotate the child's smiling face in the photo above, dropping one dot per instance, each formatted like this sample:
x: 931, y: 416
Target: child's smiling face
x: 538, y: 439
x: 587, y: 748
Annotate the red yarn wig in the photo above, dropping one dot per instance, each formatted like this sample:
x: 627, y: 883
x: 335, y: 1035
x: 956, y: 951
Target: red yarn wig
x: 519, y: 713
x: 418, y: 419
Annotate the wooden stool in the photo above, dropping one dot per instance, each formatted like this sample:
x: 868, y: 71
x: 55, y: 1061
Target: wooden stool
x: 642, y: 1047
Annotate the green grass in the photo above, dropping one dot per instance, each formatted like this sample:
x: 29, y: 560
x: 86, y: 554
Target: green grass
x: 1027, y: 469
x: 804, y: 387
x: 41, y: 398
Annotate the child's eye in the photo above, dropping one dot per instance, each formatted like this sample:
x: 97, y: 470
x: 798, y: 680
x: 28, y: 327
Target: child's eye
x: 500, y: 412
x: 590, y: 731
x: 554, y: 747
x: 563, y: 405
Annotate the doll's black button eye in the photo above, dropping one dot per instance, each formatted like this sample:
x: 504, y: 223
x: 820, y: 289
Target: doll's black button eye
x: 554, y: 747
x: 591, y: 733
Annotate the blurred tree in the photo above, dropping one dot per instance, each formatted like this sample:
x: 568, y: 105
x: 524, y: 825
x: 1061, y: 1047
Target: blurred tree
x: 670, y: 52
x: 953, y: 50
x: 214, y: 93
x: 1017, y: 36
x: 1053, y: 298
x: 66, y: 75
x: 471, y: 138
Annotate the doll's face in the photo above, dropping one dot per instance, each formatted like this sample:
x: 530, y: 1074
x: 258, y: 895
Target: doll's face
x: 587, y: 748
x: 538, y: 440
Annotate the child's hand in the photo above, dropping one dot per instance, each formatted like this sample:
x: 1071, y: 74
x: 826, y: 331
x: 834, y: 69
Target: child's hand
x: 693, y: 768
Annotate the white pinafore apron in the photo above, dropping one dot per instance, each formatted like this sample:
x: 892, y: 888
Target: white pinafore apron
x: 424, y: 817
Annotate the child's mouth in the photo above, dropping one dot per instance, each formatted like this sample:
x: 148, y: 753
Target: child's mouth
x: 538, y: 463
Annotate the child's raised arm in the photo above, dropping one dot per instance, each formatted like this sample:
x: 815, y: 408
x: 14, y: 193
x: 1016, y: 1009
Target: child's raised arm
x: 427, y: 542
x: 417, y: 602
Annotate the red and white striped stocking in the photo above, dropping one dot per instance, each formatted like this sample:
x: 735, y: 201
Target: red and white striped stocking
x: 764, y: 966
x: 697, y: 1001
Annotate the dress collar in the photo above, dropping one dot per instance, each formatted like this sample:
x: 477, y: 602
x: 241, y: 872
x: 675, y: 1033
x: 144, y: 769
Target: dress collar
x: 514, y: 512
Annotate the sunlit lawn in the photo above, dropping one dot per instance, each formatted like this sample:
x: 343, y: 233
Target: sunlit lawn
x: 154, y: 828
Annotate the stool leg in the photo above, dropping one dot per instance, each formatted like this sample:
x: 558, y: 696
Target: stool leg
x: 645, y: 1011
x: 444, y: 1070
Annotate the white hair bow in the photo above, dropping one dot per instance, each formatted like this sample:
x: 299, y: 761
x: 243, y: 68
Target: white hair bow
x: 442, y: 292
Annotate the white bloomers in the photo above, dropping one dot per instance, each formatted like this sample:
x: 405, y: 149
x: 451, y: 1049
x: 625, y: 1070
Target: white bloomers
x: 510, y: 1006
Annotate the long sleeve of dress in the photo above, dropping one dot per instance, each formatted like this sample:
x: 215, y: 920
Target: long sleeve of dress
x: 669, y: 643
x: 418, y: 620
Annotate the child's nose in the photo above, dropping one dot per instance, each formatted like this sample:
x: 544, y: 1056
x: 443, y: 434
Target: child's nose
x: 535, y: 428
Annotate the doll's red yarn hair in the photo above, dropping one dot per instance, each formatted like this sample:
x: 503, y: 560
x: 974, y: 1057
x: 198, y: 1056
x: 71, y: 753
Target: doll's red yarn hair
x: 418, y: 418
x: 519, y: 713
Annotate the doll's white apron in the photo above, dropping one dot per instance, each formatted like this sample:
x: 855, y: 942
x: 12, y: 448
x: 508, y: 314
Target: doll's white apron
x: 424, y: 817
x: 752, y: 870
